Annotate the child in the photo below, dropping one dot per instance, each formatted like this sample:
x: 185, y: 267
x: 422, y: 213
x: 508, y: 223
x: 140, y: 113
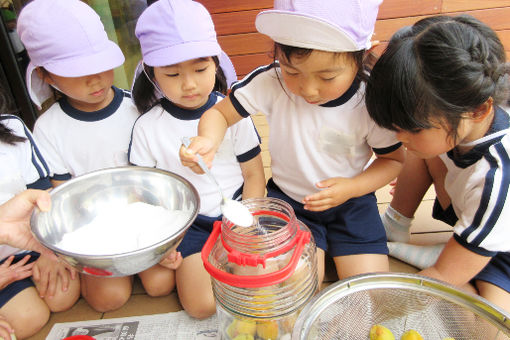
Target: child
x: 90, y: 126
x: 181, y: 64
x: 321, y: 135
x: 31, y: 285
x: 439, y: 88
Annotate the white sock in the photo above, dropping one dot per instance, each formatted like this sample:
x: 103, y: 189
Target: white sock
x: 419, y: 256
x: 396, y: 225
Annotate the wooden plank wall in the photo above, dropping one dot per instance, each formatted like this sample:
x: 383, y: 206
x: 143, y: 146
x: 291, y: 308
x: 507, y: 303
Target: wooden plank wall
x: 234, y: 20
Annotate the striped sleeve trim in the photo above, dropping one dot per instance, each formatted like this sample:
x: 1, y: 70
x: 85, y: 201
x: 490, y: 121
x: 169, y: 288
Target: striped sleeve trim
x: 494, y: 185
x: 61, y: 177
x: 473, y: 248
x: 249, y: 155
x: 42, y: 184
x: 383, y: 151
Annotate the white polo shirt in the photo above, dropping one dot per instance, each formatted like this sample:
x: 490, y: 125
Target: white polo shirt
x: 310, y: 143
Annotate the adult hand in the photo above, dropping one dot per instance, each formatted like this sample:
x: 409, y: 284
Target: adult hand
x: 15, y: 220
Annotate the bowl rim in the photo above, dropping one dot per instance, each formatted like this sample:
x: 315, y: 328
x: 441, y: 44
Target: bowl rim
x: 36, y: 212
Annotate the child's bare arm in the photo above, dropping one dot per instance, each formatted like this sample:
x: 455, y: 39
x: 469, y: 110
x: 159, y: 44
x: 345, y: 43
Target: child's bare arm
x: 254, y: 178
x: 338, y: 190
x: 456, y: 265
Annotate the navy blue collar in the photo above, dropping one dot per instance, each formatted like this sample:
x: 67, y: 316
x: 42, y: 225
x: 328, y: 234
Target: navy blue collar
x: 500, y: 122
x: 185, y: 114
x: 94, y: 116
x: 351, y: 91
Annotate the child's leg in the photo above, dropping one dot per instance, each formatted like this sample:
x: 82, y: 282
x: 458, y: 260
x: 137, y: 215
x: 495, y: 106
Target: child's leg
x: 64, y: 300
x: 412, y: 184
x: 194, y: 287
x: 494, y: 294
x: 26, y: 312
x: 350, y: 265
x: 158, y: 280
x: 106, y: 294
x: 320, y: 266
x: 435, y: 170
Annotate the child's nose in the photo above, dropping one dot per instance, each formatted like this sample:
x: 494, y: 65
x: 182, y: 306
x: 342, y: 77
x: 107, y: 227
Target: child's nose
x: 307, y: 88
x: 188, y: 82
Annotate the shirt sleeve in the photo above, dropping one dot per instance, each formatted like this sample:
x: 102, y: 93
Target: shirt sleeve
x: 43, y: 137
x: 257, y: 91
x: 32, y: 165
x: 482, y: 226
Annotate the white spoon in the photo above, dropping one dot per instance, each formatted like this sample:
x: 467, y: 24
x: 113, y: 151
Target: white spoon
x: 234, y: 211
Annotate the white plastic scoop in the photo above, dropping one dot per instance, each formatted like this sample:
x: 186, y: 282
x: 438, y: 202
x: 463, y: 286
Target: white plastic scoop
x: 234, y: 211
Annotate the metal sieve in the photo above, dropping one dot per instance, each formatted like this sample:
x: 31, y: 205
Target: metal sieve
x: 349, y: 308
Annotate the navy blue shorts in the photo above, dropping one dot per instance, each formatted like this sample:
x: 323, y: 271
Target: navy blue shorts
x: 197, y: 235
x: 351, y: 228
x: 497, y: 271
x: 14, y: 288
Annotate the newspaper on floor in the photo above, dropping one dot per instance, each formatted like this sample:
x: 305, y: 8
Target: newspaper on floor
x: 178, y: 325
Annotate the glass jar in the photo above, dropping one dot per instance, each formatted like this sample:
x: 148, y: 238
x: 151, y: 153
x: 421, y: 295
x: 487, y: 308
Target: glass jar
x: 261, y: 275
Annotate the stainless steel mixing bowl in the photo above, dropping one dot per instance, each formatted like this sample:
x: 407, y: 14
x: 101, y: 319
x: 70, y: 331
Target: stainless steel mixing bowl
x: 78, y: 201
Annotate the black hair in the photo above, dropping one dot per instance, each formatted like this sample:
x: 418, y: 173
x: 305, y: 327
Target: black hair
x: 7, y: 135
x: 441, y: 67
x: 358, y: 57
x: 144, y: 93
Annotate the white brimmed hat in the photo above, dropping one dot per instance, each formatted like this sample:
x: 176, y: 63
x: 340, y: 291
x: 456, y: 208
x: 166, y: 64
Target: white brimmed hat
x: 327, y: 25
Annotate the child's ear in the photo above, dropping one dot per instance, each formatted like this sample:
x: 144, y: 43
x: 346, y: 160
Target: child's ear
x: 481, y: 112
x: 44, y: 75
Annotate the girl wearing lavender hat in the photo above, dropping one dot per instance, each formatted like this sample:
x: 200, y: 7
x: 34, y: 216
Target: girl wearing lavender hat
x: 89, y: 128
x: 322, y: 137
x: 183, y: 69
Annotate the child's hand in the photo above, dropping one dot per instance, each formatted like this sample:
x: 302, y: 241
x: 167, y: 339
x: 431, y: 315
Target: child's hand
x: 10, y: 273
x: 393, y: 184
x: 336, y: 191
x: 46, y: 275
x: 6, y: 331
x: 172, y: 260
x: 201, y: 145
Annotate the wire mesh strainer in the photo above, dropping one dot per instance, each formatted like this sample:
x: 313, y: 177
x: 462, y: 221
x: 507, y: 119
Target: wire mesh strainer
x: 400, y: 302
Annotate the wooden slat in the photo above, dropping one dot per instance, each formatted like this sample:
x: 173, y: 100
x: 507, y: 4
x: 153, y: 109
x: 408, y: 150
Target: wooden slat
x: 245, y: 43
x: 244, y: 64
x: 403, y: 8
x: 463, y: 5
x: 497, y: 18
x: 504, y: 36
x: 384, y: 29
x: 235, y: 22
x: 221, y: 6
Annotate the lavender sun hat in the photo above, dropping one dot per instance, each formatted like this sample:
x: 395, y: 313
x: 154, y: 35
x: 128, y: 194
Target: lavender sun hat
x: 174, y: 31
x: 68, y: 39
x: 327, y: 25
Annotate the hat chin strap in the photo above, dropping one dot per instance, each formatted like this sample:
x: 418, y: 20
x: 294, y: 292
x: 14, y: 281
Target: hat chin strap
x: 156, y: 86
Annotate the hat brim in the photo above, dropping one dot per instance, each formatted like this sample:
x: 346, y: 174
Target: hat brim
x: 175, y: 54
x: 228, y: 69
x: 107, y: 58
x: 304, y: 31
x: 38, y: 90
